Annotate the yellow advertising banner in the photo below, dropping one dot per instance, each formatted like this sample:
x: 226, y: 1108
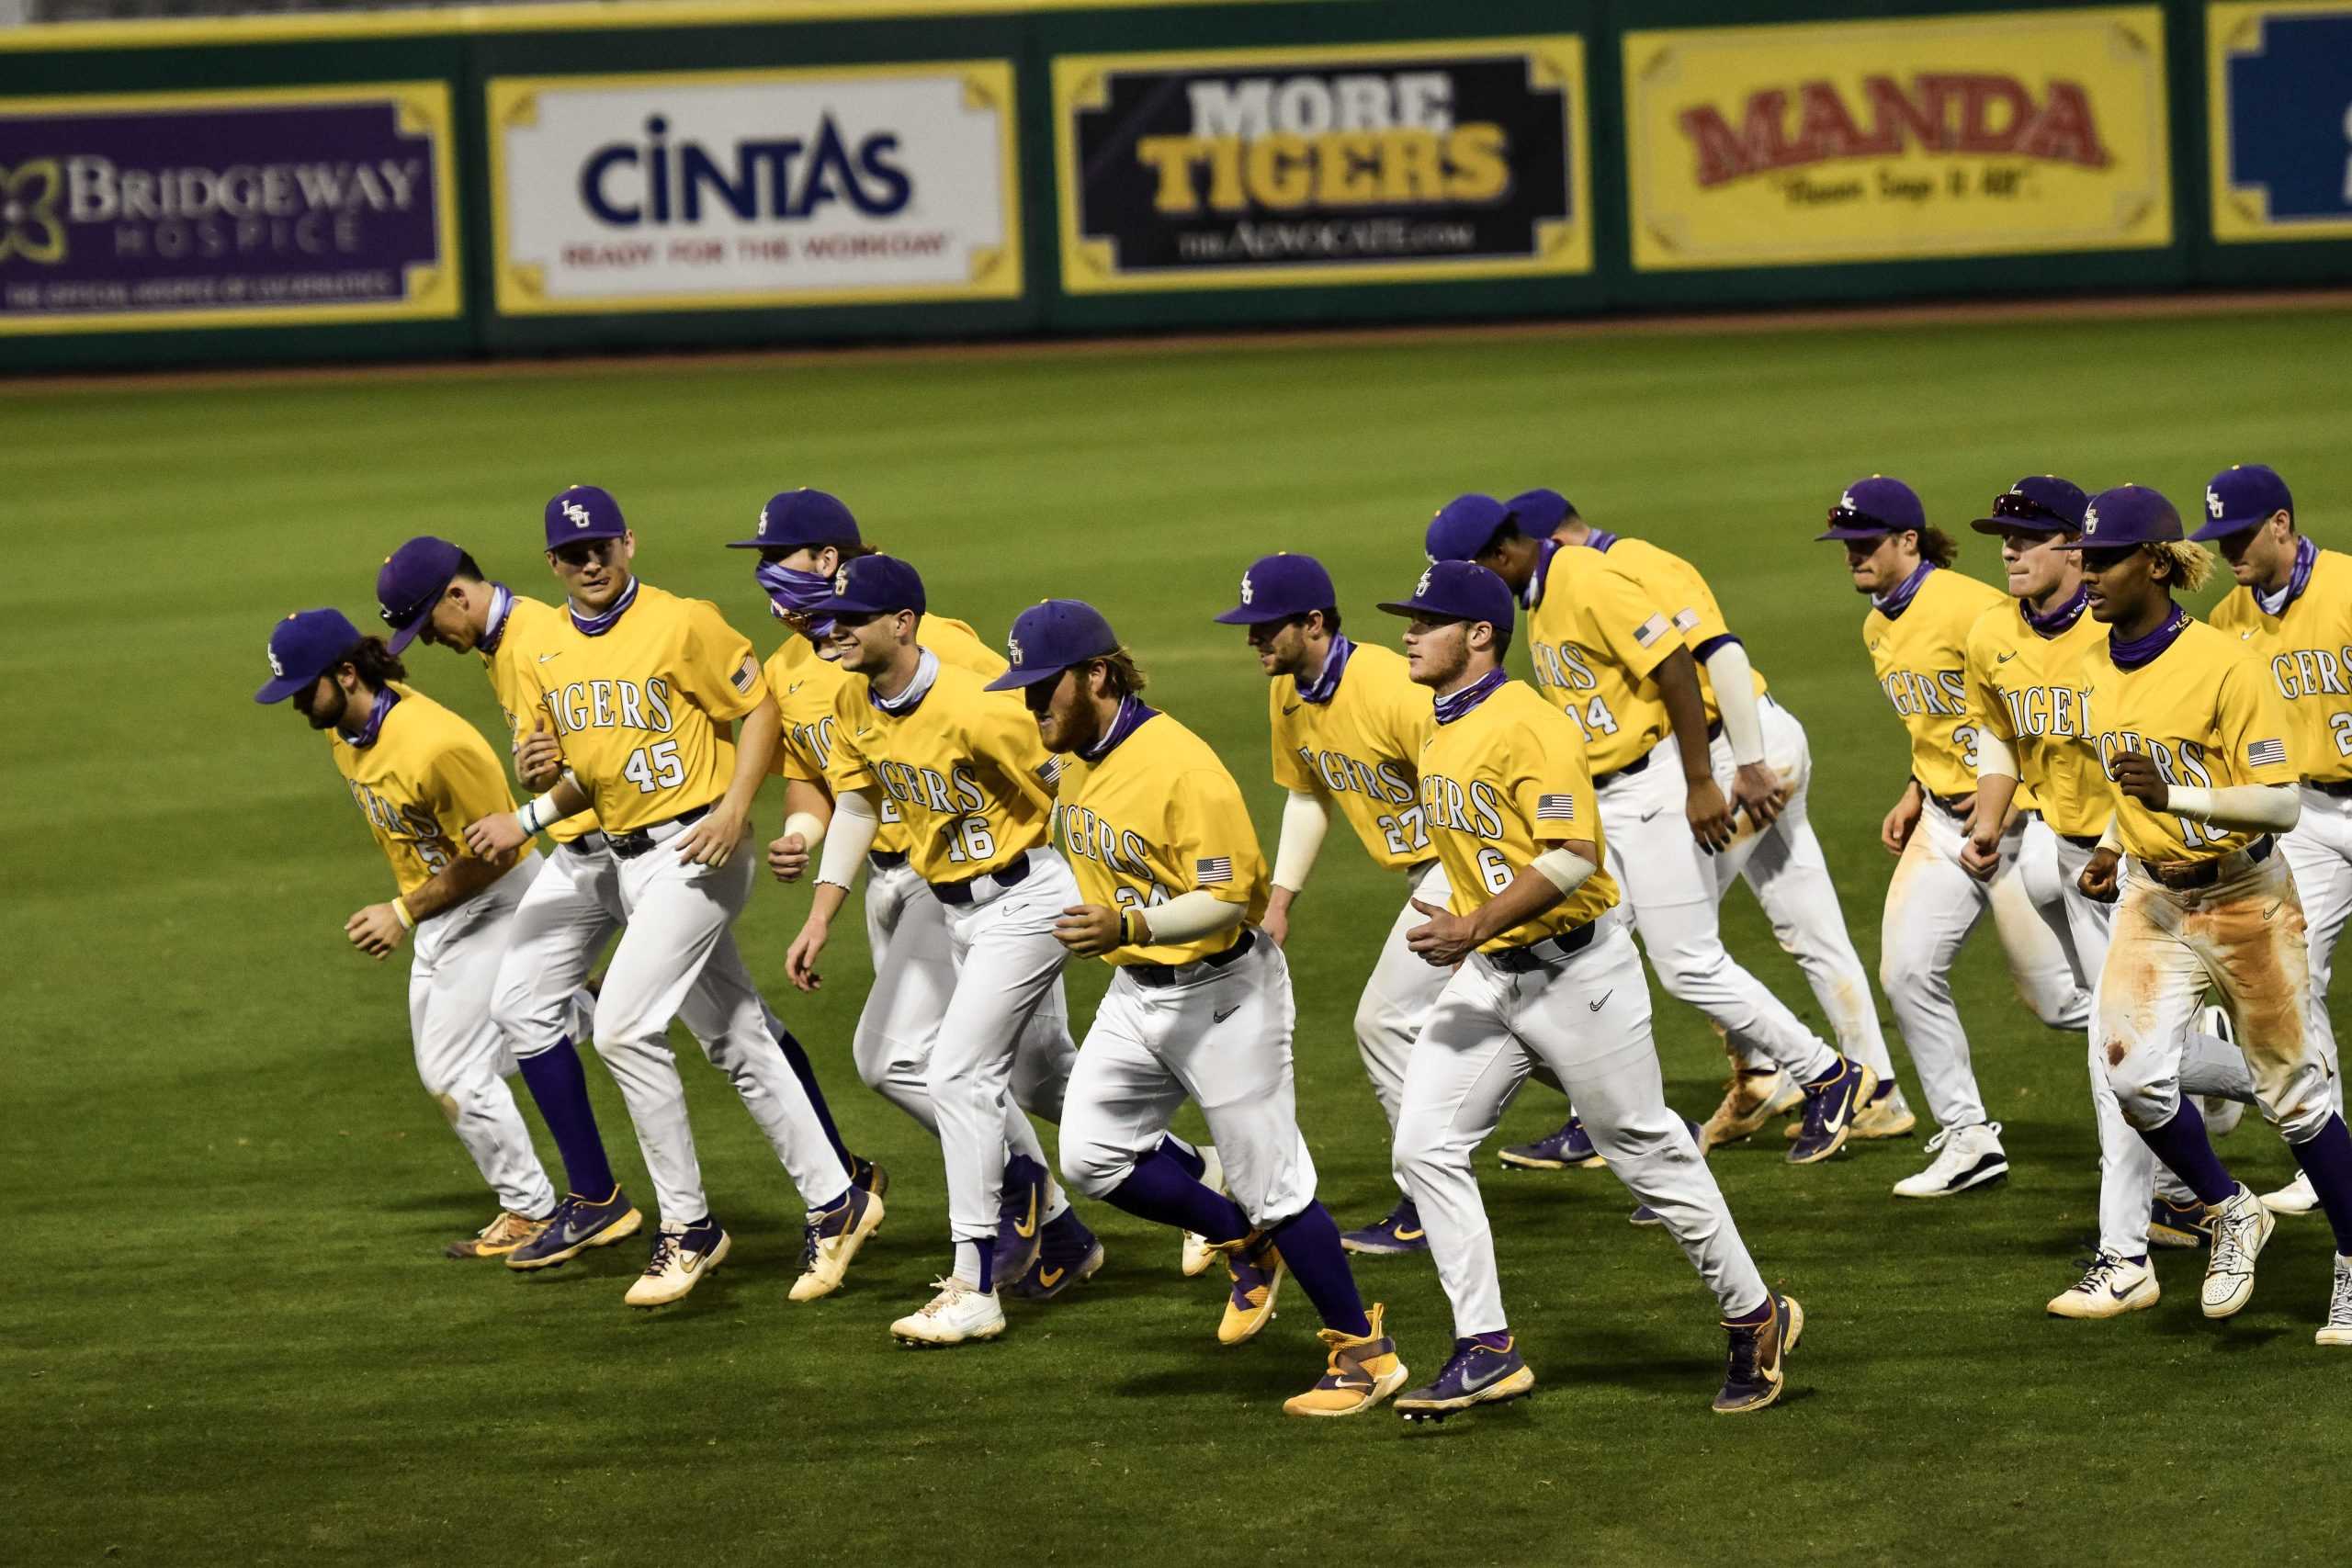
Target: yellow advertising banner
x: 1806, y: 143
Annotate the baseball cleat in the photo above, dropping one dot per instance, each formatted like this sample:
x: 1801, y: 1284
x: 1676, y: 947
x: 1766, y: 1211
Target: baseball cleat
x: 2337, y: 1329
x: 1885, y: 1115
x: 1965, y: 1157
x: 1399, y: 1234
x: 1067, y: 1255
x: 1477, y: 1373
x: 869, y: 1177
x: 1756, y: 1368
x: 1570, y: 1148
x: 500, y: 1237
x: 1257, y: 1270
x: 2297, y: 1197
x: 1752, y: 1097
x: 1198, y: 1254
x: 2241, y: 1226
x: 2176, y: 1224
x: 1830, y: 1111
x: 680, y: 1258
x: 2111, y: 1286
x: 960, y: 1312
x: 1363, y: 1370
x: 578, y: 1223
x: 1026, y: 1190
x: 832, y: 1238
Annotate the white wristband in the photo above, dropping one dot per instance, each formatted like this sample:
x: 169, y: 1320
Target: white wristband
x: 810, y: 828
x: 535, y: 815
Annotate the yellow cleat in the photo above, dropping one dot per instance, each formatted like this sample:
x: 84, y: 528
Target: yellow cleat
x: 1752, y: 1097
x: 1257, y: 1270
x: 1363, y: 1372
x: 498, y: 1238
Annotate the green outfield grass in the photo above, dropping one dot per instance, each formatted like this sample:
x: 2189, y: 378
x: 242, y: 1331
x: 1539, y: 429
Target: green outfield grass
x: 230, y: 1334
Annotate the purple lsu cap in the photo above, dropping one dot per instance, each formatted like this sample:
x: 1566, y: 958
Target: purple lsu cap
x: 801, y: 519
x: 303, y: 647
x: 1539, y: 512
x: 1276, y: 588
x: 2038, y: 503
x: 2126, y: 515
x: 583, y: 511
x: 1464, y: 526
x: 1458, y: 590
x: 1051, y: 636
x: 413, y: 580
x: 1874, y: 506
x: 872, y: 586
x: 2241, y: 496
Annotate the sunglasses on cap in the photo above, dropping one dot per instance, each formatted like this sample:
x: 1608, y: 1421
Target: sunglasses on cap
x: 1847, y: 517
x: 2025, y: 509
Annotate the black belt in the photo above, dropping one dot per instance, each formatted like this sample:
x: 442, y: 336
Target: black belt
x: 1169, y: 974
x: 2203, y: 873
x: 1542, y: 954
x: 1950, y: 803
x: 591, y: 842
x: 1012, y: 874
x: 2081, y: 840
x: 628, y: 846
x: 1715, y: 731
x: 886, y: 860
x: 2340, y: 788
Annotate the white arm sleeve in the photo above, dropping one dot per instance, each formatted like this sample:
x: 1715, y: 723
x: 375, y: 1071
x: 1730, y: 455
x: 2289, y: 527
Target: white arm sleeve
x: 857, y: 818
x: 1304, y: 821
x: 1565, y: 869
x: 1994, y: 756
x: 1191, y: 915
x: 1733, y: 680
x: 2251, y: 808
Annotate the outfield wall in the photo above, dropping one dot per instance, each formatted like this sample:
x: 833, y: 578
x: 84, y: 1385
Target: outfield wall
x: 515, y: 180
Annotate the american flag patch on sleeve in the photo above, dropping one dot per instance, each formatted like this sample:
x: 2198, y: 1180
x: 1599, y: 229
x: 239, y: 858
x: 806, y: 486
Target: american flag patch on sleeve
x: 2266, y: 753
x: 745, y: 677
x: 1049, y: 773
x: 1649, y: 631
x: 1685, y: 619
x: 1210, y: 870
x: 1555, y: 808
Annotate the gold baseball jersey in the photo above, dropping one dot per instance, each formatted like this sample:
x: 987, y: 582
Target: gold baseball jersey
x: 2307, y: 653
x: 2206, y: 711
x: 1158, y: 817
x: 1501, y: 785
x: 1596, y: 637
x: 972, y: 782
x: 1921, y: 659
x: 428, y: 773
x: 1689, y: 604
x: 645, y: 710
x: 2033, y: 692
x: 529, y: 631
x: 1360, y: 751
x: 809, y: 690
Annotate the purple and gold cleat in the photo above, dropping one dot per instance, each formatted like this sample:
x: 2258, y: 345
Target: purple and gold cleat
x: 1067, y: 1254
x: 1755, y: 1366
x: 1016, y: 1217
x: 2170, y: 1224
x: 1399, y: 1234
x: 1255, y: 1265
x: 578, y: 1223
x: 1478, y: 1373
x: 1570, y: 1148
x: 1829, y: 1109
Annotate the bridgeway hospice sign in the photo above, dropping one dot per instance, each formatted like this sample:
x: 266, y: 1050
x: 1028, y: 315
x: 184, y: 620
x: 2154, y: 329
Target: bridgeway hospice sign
x: 729, y: 190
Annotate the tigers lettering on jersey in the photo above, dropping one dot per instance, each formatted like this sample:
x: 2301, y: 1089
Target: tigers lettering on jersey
x: 1357, y: 750
x: 1501, y: 785
x: 1921, y: 662
x: 428, y: 774
x: 2205, y: 713
x: 530, y: 627
x: 2307, y: 654
x: 1158, y: 817
x: 2034, y: 693
x: 1595, y: 638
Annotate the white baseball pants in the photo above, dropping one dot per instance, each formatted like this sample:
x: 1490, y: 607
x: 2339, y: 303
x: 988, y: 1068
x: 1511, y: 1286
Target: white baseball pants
x: 1397, y: 1000
x: 1587, y: 1019
x: 678, y: 942
x: 1219, y: 1036
x: 461, y: 1057
x: 2319, y: 854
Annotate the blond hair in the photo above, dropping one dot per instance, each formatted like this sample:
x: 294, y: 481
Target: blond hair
x: 2192, y: 564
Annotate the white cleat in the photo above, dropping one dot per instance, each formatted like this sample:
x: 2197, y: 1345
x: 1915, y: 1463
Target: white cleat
x: 2241, y: 1226
x: 960, y: 1312
x: 833, y: 1239
x: 2297, y: 1197
x: 1198, y: 1252
x: 1965, y: 1157
x: 680, y: 1258
x: 2112, y: 1287
x: 2338, y: 1328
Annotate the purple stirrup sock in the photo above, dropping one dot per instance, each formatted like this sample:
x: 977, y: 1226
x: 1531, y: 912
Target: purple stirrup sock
x: 2327, y: 1160
x: 1310, y: 1244
x: 2182, y: 1145
x: 1159, y: 1188
x: 559, y: 1088
x: 806, y: 1072
x: 1183, y: 1154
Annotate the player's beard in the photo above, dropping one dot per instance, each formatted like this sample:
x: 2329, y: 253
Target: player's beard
x: 327, y: 713
x: 1443, y: 670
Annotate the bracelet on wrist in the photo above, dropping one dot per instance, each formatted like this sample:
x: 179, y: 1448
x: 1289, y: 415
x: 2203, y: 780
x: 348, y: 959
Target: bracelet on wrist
x: 399, y: 912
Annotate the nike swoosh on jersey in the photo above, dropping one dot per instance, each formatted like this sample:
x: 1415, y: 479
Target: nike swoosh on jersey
x: 1221, y: 1017
x: 1596, y: 1007
x: 544, y: 657
x: 1290, y: 710
x: 2004, y: 657
x: 794, y: 687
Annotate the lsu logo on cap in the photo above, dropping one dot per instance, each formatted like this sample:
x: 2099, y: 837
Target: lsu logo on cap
x: 841, y: 582
x: 2090, y: 522
x: 276, y: 668
x: 1422, y: 587
x: 578, y: 513
x: 1246, y: 590
x: 2212, y: 502
x: 1012, y: 647
x: 762, y: 530
x: 1846, y: 501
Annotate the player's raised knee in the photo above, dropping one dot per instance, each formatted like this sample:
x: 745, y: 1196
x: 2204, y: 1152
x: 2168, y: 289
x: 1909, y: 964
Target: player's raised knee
x: 1093, y: 1168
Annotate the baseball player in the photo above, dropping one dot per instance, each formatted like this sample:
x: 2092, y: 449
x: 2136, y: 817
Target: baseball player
x: 2200, y: 752
x: 1171, y: 886
x: 432, y: 591
x: 1763, y: 762
x: 975, y: 791
x: 1348, y: 724
x: 1542, y: 972
x: 2029, y: 667
x: 803, y: 538
x: 1917, y: 632
x: 2292, y: 607
x: 642, y: 690
x: 418, y: 773
x: 1606, y: 654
